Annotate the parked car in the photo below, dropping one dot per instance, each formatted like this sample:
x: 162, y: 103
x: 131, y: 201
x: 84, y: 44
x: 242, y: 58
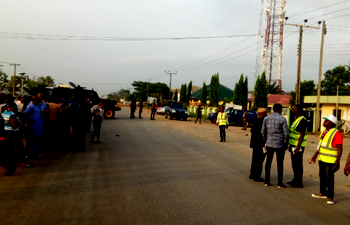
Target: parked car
x: 160, y: 105
x: 176, y: 110
x: 161, y: 110
x: 235, y: 116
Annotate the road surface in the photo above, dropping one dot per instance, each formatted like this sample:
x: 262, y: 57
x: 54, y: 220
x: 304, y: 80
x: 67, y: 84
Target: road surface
x: 154, y: 173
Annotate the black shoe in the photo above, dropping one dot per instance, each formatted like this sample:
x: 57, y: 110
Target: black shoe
x: 28, y: 165
x: 10, y: 172
x: 281, y: 185
x: 140, y: 117
x: 221, y: 140
x: 290, y: 182
x: 259, y: 179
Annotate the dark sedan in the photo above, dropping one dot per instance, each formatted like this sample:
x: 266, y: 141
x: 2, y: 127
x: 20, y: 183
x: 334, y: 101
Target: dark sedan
x: 235, y: 116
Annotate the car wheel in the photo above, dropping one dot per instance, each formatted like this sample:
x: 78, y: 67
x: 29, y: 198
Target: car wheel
x: 109, y: 114
x: 185, y: 118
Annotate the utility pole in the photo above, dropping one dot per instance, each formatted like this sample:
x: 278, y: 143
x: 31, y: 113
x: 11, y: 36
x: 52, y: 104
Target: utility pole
x: 14, y: 78
x: 317, y: 118
x: 148, y: 80
x: 170, y: 73
x: 22, y: 74
x: 297, y: 88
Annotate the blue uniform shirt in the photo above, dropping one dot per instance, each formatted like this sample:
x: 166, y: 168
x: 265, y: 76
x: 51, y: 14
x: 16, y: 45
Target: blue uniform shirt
x: 34, y: 113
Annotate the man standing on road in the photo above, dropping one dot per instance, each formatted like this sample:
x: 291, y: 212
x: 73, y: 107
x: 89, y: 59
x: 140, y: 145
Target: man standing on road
x: 245, y: 119
x: 329, y: 151
x: 141, y: 107
x: 257, y: 143
x: 199, y: 114
x: 132, y: 108
x: 153, y: 109
x: 222, y: 122
x: 297, y: 142
x: 275, y: 133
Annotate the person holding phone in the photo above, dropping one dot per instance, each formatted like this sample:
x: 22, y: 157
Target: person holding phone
x: 329, y: 152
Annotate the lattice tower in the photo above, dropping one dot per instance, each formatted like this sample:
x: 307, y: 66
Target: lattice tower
x: 272, y: 54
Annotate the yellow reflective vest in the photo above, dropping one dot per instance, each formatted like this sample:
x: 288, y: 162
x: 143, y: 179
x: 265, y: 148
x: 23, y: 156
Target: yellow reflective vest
x: 294, y: 135
x: 222, y: 118
x: 328, y: 154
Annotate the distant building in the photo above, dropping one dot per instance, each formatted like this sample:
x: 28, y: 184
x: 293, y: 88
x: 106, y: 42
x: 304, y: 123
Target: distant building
x: 274, y: 98
x: 225, y: 92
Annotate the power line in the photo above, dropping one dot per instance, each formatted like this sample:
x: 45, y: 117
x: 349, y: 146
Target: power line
x: 327, y: 6
x: 329, y: 13
x: 92, y: 38
x: 213, y: 54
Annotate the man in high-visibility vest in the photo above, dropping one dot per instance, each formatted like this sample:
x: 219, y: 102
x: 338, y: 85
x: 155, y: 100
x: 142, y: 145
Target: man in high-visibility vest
x: 222, y: 121
x: 329, y: 152
x: 297, y: 142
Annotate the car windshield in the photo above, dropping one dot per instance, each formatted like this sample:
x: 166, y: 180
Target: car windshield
x: 177, y: 106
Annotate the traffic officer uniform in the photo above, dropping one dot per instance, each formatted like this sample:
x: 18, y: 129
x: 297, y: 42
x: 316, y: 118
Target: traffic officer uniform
x: 222, y: 121
x: 298, y: 126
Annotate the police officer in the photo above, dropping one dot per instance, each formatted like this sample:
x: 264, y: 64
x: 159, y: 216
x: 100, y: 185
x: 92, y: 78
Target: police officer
x: 329, y: 151
x: 297, y: 142
x: 222, y: 122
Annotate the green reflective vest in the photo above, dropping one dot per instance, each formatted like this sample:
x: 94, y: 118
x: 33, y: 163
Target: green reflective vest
x: 294, y: 134
x: 328, y: 154
x: 222, y: 118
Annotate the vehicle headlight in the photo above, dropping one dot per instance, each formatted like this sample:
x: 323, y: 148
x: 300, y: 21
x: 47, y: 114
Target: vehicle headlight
x: 187, y: 113
x: 173, y: 111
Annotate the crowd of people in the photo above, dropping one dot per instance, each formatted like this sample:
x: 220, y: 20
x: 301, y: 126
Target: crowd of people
x: 32, y: 125
x: 270, y: 135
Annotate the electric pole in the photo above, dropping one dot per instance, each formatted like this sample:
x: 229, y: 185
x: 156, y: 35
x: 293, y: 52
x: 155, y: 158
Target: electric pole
x: 170, y: 73
x: 297, y: 88
x: 22, y: 74
x: 148, y: 80
x: 14, y: 78
x: 317, y: 118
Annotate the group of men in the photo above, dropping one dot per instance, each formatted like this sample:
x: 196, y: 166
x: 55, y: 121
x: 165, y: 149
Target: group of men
x: 270, y: 135
x: 44, y: 125
x: 133, y: 109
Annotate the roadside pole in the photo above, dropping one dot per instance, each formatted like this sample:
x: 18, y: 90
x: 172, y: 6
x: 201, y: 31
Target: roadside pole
x: 317, y: 117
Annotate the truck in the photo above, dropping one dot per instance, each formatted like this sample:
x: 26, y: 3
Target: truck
x: 55, y: 94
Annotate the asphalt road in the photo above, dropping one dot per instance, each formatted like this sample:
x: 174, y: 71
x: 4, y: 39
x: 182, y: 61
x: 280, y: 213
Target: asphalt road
x: 155, y: 174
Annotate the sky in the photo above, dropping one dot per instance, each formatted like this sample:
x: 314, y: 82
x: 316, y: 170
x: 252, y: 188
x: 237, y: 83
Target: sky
x: 135, y: 50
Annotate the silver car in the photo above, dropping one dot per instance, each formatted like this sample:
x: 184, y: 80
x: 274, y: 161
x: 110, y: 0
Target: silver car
x: 161, y: 110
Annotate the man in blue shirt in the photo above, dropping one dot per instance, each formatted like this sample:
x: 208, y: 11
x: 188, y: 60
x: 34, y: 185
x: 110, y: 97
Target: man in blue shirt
x: 34, y: 123
x: 276, y: 135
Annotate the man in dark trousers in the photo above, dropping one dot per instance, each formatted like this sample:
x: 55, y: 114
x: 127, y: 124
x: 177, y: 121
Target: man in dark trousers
x: 297, y: 142
x: 132, y: 108
x: 153, y: 110
x: 222, y: 121
x: 257, y: 143
x: 276, y: 135
x: 141, y: 107
x: 199, y: 114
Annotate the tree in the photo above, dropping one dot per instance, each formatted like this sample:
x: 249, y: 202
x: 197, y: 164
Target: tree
x: 34, y: 85
x: 214, y: 90
x: 235, y: 95
x: 175, y: 96
x: 307, y: 87
x: 189, y: 92
x: 157, y: 90
x: 260, y: 92
x: 340, y: 74
x: 204, y: 94
x: 244, y: 96
x: 3, y: 80
x: 183, y: 93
